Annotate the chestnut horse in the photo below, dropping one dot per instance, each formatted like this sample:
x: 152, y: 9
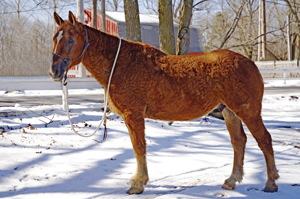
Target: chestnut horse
x: 148, y: 83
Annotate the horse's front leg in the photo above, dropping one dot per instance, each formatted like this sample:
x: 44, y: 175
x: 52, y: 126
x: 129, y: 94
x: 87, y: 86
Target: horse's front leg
x: 136, y: 127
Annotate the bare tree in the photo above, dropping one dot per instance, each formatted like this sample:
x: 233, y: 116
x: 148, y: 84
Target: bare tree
x: 177, y: 5
x: 114, y: 4
x: 166, y: 27
x: 51, y: 6
x: 18, y: 8
x: 24, y: 49
x: 233, y: 25
x: 133, y: 27
x: 103, y: 28
x: 152, y: 5
x: 241, y: 27
x: 183, y: 38
x: 94, y: 13
x: 293, y: 6
x: 186, y: 13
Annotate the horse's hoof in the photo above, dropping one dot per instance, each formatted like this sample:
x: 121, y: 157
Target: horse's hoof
x: 133, y: 190
x: 270, y: 189
x: 227, y: 187
x: 229, y: 184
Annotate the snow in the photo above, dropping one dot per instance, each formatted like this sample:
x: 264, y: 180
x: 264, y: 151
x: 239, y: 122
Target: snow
x: 280, y: 83
x: 20, y: 93
x: 144, y: 18
x: 41, y: 157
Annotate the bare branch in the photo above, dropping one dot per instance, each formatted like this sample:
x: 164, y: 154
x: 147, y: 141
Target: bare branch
x: 233, y: 25
x: 199, y: 3
x: 254, y: 42
x: 45, y: 123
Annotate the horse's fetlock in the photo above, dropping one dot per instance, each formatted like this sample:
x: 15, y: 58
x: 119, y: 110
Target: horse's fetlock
x: 238, y: 176
x: 138, y: 179
x: 137, y: 185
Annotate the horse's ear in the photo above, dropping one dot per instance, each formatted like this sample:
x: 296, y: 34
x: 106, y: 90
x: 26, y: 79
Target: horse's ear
x: 58, y: 19
x: 72, y: 18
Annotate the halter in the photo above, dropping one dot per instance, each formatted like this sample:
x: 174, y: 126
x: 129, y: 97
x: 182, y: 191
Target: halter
x: 67, y: 60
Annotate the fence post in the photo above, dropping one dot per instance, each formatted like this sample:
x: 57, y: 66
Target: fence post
x: 274, y: 67
x: 284, y: 78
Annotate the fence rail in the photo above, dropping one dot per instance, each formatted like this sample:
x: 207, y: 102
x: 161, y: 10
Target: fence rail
x: 45, y: 83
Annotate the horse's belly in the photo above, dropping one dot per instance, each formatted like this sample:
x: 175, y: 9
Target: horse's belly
x: 179, y: 110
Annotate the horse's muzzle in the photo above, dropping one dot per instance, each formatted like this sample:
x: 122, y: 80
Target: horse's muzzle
x: 57, y: 70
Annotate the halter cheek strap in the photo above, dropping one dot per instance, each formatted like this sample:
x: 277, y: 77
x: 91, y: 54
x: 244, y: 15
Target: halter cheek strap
x: 85, y: 47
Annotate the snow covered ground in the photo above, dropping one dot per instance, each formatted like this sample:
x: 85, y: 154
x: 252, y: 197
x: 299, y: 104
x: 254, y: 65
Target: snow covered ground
x: 41, y: 157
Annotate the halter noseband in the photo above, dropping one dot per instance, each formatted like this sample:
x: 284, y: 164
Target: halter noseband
x: 85, y: 47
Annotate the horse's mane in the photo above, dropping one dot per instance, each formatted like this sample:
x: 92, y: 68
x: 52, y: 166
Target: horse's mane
x: 133, y: 45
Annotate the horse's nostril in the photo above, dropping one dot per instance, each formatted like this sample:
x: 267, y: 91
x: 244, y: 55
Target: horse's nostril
x: 55, y: 72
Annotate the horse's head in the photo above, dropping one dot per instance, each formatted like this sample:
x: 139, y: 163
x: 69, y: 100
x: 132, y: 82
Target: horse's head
x: 70, y: 43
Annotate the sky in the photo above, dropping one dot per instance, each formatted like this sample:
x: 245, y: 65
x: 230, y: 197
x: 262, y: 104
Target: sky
x: 43, y: 9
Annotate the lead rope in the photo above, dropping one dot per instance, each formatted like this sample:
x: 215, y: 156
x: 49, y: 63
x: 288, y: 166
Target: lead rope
x: 103, y: 120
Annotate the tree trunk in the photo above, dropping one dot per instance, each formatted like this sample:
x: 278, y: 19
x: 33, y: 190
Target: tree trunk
x: 94, y: 14
x: 132, y: 18
x: 176, y: 8
x: 80, y: 15
x: 54, y: 24
x: 103, y: 28
x: 166, y: 27
x: 297, y: 49
x: 296, y: 39
x: 264, y: 30
x: 116, y: 5
x: 80, y: 12
x: 183, y: 38
x: 18, y: 9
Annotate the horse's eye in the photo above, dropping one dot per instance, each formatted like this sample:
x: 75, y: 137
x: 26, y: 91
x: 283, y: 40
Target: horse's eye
x: 70, y: 41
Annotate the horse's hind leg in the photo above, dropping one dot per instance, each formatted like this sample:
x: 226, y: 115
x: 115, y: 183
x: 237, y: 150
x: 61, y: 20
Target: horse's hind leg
x: 238, y: 141
x: 264, y: 140
x: 136, y: 127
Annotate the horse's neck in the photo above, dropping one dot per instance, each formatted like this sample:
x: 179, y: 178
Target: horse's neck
x: 99, y: 57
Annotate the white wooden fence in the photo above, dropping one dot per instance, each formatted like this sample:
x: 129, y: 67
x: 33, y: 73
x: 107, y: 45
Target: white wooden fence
x: 45, y: 83
x: 279, y: 69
